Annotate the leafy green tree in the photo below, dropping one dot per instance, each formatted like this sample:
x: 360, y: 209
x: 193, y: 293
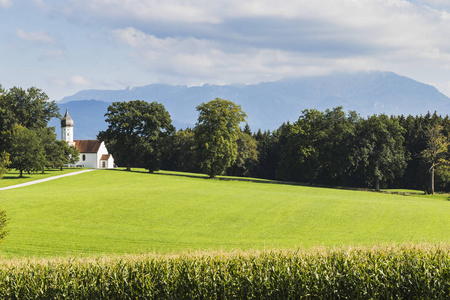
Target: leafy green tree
x: 379, y: 153
x: 27, y: 151
x: 59, y: 154
x: 216, y: 134
x: 137, y: 133
x: 184, y: 152
x: 247, y: 157
x: 317, y: 148
x: 436, y: 153
x: 4, y: 163
x: 29, y: 108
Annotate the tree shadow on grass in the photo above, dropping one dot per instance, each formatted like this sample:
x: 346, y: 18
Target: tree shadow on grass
x: 233, y: 178
x: 261, y: 180
x: 11, y: 175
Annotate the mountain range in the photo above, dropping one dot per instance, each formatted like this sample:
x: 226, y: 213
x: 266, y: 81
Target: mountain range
x: 267, y: 104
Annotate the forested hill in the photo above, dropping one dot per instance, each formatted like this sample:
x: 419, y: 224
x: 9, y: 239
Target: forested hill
x: 269, y: 104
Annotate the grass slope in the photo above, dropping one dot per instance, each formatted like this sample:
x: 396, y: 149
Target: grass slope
x: 111, y: 211
x: 12, y: 177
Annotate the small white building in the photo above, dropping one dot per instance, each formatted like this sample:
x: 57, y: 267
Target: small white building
x: 93, y: 153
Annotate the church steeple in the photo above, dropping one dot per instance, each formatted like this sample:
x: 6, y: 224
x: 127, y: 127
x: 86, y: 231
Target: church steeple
x: 67, y: 128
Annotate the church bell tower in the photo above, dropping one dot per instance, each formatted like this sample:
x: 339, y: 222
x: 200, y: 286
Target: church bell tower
x: 67, y: 129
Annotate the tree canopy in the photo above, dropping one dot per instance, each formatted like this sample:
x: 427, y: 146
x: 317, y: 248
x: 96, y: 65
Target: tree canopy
x: 216, y: 134
x: 137, y: 133
x: 436, y: 152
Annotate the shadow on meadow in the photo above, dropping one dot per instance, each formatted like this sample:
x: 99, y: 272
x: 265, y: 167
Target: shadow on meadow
x: 277, y: 182
x: 13, y: 175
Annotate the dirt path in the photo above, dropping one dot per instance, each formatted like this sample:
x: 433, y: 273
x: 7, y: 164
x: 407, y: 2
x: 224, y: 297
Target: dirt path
x: 43, y: 180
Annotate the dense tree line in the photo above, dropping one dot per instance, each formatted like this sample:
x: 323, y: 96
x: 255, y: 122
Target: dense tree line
x: 26, y: 142
x: 337, y: 148
x: 321, y: 148
x: 332, y: 147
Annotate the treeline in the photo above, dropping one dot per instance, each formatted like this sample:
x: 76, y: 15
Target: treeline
x: 323, y: 148
x: 332, y: 147
x: 339, y: 149
x: 26, y: 142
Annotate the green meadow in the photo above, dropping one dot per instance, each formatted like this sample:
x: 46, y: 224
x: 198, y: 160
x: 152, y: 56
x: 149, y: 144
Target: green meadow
x: 119, y: 212
x: 12, y: 177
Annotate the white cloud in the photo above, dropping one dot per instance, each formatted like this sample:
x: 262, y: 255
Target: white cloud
x: 35, y: 36
x: 225, y: 41
x: 6, y: 3
x: 199, y: 61
x: 75, y: 80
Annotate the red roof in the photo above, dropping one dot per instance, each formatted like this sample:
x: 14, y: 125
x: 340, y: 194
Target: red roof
x: 105, y: 157
x: 88, y: 146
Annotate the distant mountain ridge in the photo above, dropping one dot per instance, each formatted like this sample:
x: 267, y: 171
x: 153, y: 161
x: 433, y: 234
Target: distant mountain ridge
x: 269, y: 104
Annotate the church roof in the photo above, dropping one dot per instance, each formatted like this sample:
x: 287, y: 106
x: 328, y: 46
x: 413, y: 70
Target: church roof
x: 105, y: 157
x: 87, y: 146
x: 67, y: 120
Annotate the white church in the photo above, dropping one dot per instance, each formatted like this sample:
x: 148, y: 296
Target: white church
x: 93, y: 153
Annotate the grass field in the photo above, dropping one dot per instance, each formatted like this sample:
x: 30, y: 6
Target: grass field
x: 117, y: 212
x: 12, y: 177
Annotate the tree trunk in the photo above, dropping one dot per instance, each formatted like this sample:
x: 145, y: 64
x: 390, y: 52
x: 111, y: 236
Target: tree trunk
x: 377, y: 183
x: 432, y: 180
x: 21, y: 174
x: 128, y: 167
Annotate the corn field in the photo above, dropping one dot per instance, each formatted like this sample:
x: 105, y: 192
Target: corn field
x: 397, y: 272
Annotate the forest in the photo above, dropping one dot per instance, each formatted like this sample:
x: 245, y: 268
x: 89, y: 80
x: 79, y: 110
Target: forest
x: 335, y: 148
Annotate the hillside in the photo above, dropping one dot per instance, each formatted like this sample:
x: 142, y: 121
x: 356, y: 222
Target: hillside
x: 113, y: 211
x: 269, y: 104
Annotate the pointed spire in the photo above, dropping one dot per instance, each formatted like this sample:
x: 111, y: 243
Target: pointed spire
x: 67, y: 120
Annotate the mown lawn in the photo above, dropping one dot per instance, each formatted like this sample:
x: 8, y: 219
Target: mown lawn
x: 117, y: 212
x: 12, y: 177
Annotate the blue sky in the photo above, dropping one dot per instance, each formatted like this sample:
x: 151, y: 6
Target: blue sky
x: 66, y: 46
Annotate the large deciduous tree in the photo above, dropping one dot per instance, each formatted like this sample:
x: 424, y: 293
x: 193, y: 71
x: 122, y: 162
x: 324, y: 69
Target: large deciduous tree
x: 379, y: 152
x: 27, y: 150
x: 183, y: 152
x: 436, y: 152
x: 247, y: 157
x: 4, y: 163
x: 317, y: 147
x: 216, y: 134
x: 29, y: 108
x: 137, y: 133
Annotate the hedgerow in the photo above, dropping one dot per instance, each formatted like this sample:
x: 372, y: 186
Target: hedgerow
x: 397, y: 272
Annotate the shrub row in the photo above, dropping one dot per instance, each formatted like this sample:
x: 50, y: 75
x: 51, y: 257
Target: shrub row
x: 407, y: 272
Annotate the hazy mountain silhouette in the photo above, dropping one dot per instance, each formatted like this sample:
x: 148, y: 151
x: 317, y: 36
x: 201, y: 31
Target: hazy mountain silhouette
x: 267, y: 104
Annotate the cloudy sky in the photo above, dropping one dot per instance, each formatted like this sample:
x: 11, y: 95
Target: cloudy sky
x: 66, y: 46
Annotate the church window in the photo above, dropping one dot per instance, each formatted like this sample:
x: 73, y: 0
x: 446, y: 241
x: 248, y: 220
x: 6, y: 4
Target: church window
x: 84, y: 157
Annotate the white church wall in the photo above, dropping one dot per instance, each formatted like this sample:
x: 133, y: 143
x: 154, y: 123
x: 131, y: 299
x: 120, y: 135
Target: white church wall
x: 101, y: 151
x: 110, y: 162
x: 90, y: 160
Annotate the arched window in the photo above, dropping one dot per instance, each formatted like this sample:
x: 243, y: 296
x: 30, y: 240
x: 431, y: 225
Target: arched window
x: 84, y: 157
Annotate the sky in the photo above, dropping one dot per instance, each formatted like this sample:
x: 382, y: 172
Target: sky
x: 63, y: 47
